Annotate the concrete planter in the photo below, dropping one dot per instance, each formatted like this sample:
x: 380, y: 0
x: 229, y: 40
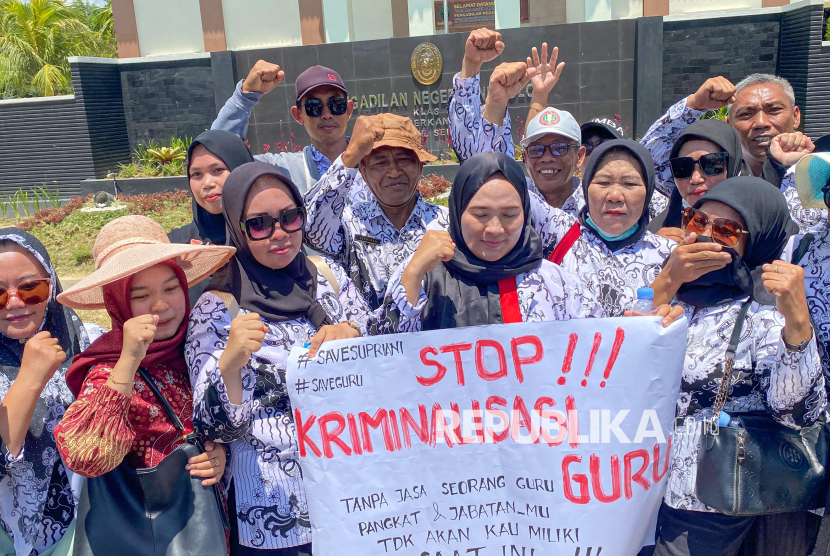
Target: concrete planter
x: 135, y: 186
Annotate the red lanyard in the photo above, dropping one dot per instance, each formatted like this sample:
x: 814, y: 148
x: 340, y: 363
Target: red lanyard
x: 509, y: 300
x: 565, y: 245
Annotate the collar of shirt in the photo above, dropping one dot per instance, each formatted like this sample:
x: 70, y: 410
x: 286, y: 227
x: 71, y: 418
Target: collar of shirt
x: 370, y: 211
x: 322, y: 161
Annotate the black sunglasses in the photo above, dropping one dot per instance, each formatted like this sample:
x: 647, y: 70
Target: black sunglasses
x: 262, y: 227
x: 556, y: 149
x: 713, y: 164
x: 337, y: 106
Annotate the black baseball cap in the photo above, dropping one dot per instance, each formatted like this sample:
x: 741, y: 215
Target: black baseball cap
x: 606, y: 128
x: 317, y: 76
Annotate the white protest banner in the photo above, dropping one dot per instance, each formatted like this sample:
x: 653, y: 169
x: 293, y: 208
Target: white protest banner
x: 530, y: 439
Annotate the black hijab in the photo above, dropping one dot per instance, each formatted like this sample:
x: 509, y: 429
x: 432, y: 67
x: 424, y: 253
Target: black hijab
x: 41, y: 453
x: 231, y: 150
x: 643, y: 157
x: 464, y: 291
x: 278, y: 295
x: 767, y: 218
x: 715, y: 131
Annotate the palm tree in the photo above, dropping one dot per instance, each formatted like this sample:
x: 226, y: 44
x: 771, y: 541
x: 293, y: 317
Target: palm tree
x: 36, y: 37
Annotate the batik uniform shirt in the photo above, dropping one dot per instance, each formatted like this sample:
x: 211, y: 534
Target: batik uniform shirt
x: 766, y: 377
x: 547, y: 293
x: 660, y: 139
x: 471, y: 134
x: 810, y: 221
x: 264, y: 464
x: 816, y: 265
x: 105, y: 427
x: 346, y: 223
x: 35, y: 513
x: 614, y: 277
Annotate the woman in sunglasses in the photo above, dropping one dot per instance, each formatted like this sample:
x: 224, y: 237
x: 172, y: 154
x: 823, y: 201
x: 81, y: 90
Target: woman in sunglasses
x: 38, y: 339
x: 237, y: 362
x: 614, y: 253
x: 776, y: 366
x: 703, y: 155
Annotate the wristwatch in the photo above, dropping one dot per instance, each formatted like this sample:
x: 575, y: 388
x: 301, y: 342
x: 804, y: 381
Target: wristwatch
x: 798, y: 348
x: 355, y: 325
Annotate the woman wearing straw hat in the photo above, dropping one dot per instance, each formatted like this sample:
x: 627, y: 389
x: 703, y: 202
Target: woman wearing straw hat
x: 237, y: 363
x: 141, y: 279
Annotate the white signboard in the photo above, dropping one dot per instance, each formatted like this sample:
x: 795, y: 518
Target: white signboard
x: 509, y: 440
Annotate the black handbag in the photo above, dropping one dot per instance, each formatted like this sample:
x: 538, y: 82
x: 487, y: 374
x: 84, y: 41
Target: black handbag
x: 755, y: 465
x: 157, y: 511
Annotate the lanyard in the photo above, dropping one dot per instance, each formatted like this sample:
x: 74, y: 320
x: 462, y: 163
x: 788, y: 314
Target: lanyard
x: 509, y: 300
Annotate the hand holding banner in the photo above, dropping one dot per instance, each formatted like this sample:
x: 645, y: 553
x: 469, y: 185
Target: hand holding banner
x: 522, y: 439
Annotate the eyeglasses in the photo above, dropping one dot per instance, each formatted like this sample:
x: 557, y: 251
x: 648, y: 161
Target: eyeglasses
x: 33, y: 292
x: 591, y: 145
x: 724, y: 231
x: 337, y: 106
x: 713, y: 164
x: 262, y: 227
x: 556, y: 149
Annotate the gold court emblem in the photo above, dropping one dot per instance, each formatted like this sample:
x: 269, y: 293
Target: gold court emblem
x: 427, y: 63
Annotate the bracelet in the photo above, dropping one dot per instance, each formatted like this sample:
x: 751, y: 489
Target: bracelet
x: 121, y: 383
x: 354, y: 325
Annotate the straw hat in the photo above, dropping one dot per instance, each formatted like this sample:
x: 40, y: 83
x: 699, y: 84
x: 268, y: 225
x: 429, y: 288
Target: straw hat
x: 130, y: 244
x: 811, y: 175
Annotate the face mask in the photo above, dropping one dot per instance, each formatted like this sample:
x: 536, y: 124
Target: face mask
x: 619, y: 237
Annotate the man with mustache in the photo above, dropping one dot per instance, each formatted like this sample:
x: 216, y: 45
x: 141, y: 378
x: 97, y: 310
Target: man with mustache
x: 322, y: 107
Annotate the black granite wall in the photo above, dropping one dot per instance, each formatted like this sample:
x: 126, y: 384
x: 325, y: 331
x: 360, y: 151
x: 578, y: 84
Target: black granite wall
x: 694, y: 50
x: 598, y: 79
x: 163, y: 99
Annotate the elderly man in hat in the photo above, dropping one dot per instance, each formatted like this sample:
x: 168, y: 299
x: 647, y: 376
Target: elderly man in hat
x: 322, y: 107
x: 366, y: 212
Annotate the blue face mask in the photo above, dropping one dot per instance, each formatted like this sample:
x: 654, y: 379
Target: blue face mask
x: 619, y: 237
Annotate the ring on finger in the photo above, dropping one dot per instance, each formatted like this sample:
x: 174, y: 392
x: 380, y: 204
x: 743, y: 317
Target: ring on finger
x: 777, y: 269
x: 214, y: 462
x: 146, y: 327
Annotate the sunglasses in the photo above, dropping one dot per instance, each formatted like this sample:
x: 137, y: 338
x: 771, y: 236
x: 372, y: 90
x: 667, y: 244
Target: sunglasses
x: 591, y: 145
x: 33, y: 292
x: 262, y: 227
x: 556, y: 149
x: 713, y: 164
x: 724, y: 231
x: 337, y: 106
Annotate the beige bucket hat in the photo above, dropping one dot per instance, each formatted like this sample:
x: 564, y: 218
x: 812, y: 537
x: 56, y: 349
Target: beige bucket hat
x: 130, y: 244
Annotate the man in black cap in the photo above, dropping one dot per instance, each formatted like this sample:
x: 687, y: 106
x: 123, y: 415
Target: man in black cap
x: 598, y: 131
x: 322, y: 107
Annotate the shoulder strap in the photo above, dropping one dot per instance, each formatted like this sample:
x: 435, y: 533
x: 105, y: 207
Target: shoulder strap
x: 803, y: 247
x: 324, y: 269
x: 168, y: 409
x: 565, y: 245
x: 229, y: 300
x: 509, y: 301
x: 731, y: 350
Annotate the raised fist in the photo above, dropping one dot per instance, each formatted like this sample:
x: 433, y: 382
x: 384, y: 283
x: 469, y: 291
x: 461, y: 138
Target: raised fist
x: 714, y: 94
x: 262, y: 78
x: 789, y: 148
x: 367, y: 130
x: 483, y: 45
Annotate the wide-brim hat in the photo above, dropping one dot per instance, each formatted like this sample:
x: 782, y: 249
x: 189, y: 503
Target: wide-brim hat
x: 811, y: 174
x: 130, y: 244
